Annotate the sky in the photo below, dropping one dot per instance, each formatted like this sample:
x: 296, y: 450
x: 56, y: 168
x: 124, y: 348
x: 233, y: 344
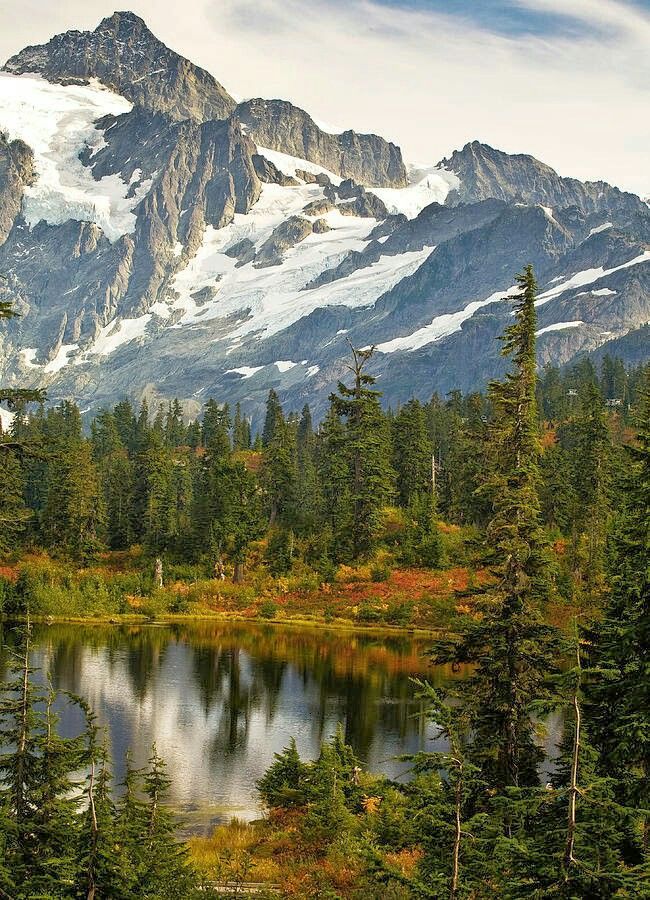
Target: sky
x: 565, y: 80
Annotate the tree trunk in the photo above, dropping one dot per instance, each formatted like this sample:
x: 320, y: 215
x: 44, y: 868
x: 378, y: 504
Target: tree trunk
x: 457, y: 835
x: 573, y: 787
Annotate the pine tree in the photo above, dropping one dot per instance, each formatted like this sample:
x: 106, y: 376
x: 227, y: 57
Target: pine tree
x: 101, y: 859
x: 215, y: 429
x: 453, y: 864
x: 274, y: 417
x: 368, y: 451
x: 73, y: 515
x: 286, y: 782
x: 619, y: 692
x: 175, y: 431
x: 333, y: 467
x: 125, y: 423
x: 592, y: 456
x: 159, y: 866
x: 14, y: 513
x: 241, y: 430
x: 37, y: 788
x: 512, y: 648
x: 412, y: 453
x: 117, y: 477
x: 279, y: 474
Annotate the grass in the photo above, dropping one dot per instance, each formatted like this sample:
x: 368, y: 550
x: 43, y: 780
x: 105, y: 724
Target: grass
x: 119, y: 587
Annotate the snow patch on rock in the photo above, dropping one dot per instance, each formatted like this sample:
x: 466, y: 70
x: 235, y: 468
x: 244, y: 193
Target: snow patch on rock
x: 270, y: 299
x: 441, y: 326
x: 559, y: 326
x: 244, y: 371
x: 427, y: 184
x: 284, y: 365
x: 588, y: 276
x: 600, y: 228
x: 119, y: 332
x: 289, y: 165
x: 57, y: 122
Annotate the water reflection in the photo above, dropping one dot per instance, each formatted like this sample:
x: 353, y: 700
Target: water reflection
x: 220, y: 699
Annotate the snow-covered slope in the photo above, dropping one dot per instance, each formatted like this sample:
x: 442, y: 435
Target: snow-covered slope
x: 58, y: 122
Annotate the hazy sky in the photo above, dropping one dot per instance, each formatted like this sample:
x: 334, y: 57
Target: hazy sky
x: 565, y: 80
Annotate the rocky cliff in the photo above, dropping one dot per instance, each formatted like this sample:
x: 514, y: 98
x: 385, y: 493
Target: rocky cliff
x: 124, y: 55
x: 281, y: 126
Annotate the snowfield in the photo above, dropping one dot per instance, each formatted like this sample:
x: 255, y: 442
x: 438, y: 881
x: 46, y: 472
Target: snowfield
x: 271, y: 299
x: 427, y: 184
x: 588, y: 276
x: 57, y: 122
x: 441, y: 326
x: 559, y: 326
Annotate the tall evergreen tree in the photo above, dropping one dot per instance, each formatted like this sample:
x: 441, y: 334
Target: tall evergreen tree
x: 619, y: 692
x: 368, y: 452
x: 412, y: 453
x: 73, y: 516
x: 274, y: 417
x: 241, y: 430
x: 511, y: 646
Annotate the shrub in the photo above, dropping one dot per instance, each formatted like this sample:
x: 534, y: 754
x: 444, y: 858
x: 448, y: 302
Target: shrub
x: 380, y: 572
x: 368, y: 613
x: 268, y: 609
x: 285, y: 783
x: 400, y: 613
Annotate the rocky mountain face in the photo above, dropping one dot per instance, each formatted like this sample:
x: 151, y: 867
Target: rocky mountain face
x: 125, y: 56
x: 281, y: 126
x: 16, y: 172
x: 161, y: 241
x: 485, y: 172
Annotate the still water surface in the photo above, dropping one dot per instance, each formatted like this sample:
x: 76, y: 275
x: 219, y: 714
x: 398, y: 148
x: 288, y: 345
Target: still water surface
x: 220, y: 699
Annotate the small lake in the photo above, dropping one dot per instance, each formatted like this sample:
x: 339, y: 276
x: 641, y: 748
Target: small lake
x: 219, y: 699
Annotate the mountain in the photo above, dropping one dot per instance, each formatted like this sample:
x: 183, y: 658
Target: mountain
x: 160, y: 240
x: 124, y: 55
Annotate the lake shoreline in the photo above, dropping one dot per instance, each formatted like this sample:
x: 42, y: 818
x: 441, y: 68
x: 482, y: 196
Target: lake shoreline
x: 165, y: 620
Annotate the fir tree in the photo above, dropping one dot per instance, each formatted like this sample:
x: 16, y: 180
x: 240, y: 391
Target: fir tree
x: 512, y: 648
x: 274, y: 417
x: 619, y: 693
x: 14, y: 513
x: 412, y: 453
x: 332, y: 462
x: 368, y: 452
x: 241, y: 430
x: 73, y: 516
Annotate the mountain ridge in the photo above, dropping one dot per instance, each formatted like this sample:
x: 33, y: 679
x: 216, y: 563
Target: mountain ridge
x: 234, y: 264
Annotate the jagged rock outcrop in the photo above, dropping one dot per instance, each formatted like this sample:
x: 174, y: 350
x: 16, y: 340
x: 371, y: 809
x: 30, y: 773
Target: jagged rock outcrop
x: 243, y: 251
x: 124, y: 54
x: 207, y: 178
x: 485, y: 172
x: 353, y: 199
x: 280, y: 125
x: 285, y: 236
x: 268, y: 172
x: 16, y: 171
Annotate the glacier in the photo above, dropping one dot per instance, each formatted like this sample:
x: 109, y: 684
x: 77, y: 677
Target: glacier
x: 58, y: 122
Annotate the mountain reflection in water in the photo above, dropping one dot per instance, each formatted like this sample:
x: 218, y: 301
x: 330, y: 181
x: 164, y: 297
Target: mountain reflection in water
x: 219, y: 699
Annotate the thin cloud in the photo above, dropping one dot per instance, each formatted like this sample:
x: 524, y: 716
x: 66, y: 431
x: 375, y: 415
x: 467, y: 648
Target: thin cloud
x: 576, y: 98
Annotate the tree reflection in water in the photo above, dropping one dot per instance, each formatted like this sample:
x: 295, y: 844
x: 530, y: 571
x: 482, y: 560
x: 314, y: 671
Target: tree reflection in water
x: 220, y: 698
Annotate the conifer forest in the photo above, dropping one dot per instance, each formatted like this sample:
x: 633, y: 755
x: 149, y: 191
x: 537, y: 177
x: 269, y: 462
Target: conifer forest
x: 508, y: 529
